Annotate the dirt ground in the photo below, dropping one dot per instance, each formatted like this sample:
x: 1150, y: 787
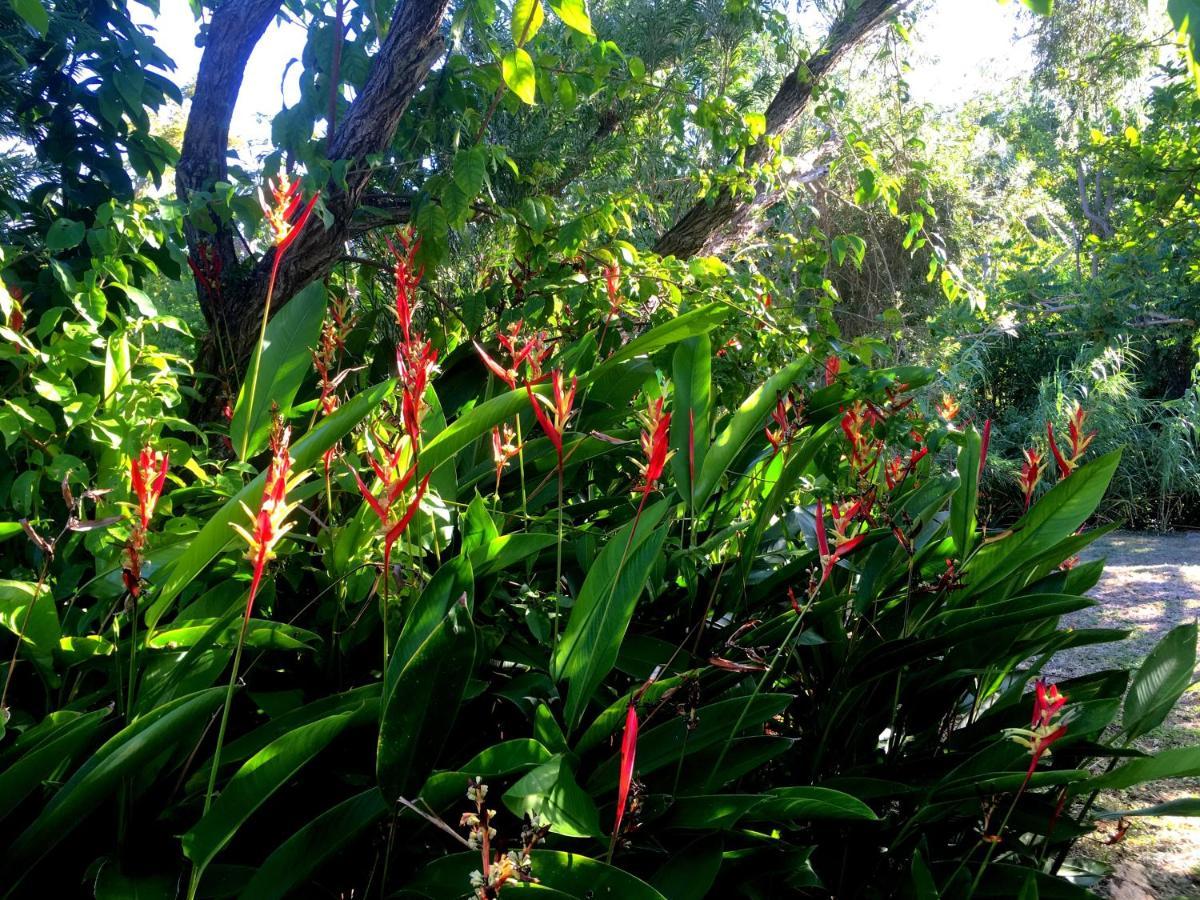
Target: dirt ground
x: 1151, y: 583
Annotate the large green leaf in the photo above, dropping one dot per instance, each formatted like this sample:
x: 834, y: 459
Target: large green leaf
x: 966, y: 495
x: 798, y: 804
x: 1160, y: 680
x: 550, y: 793
x: 474, y: 424
x: 797, y: 463
x: 576, y: 876
x: 216, y: 534
x: 746, y: 422
x: 277, y: 369
x: 123, y: 756
x: 300, y: 855
x: 690, y: 324
x: 1184, y: 806
x: 603, y: 609
x: 1181, y: 762
x: 56, y: 752
x: 1056, y: 516
x: 30, y: 613
x: 426, y: 681
x: 260, y: 777
x: 688, y: 874
x: 692, y: 370
x: 505, y: 758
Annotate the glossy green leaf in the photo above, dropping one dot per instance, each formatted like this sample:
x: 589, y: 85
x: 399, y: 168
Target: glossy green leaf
x: 1160, y: 681
x: 692, y: 323
x: 966, y: 495
x: 260, y: 777
x: 800, y: 804
x: 527, y: 19
x: 550, y: 794
x: 689, y: 873
x: 574, y: 15
x: 97, y: 780
x: 426, y: 680
x: 22, y: 777
x: 1179, y: 762
x: 1184, y: 806
x: 690, y: 411
x: 603, y: 609
x: 30, y: 613
x: 520, y: 75
x: 296, y: 859
x: 745, y: 424
x: 277, y: 369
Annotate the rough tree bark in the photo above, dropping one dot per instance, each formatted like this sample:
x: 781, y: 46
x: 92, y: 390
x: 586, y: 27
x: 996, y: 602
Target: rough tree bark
x: 699, y: 230
x: 234, y: 303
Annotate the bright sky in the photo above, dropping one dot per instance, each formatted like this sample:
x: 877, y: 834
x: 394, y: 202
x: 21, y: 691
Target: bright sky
x: 965, y: 47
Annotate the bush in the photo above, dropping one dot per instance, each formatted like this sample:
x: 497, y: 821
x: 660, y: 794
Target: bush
x: 789, y: 663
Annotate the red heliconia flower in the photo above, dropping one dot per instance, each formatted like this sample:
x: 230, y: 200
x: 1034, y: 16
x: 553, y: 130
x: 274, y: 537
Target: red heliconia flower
x: 857, y: 424
x: 628, y: 752
x: 147, y: 474
x: 1079, y: 441
x: 833, y: 365
x: 395, y: 478
x: 656, y: 444
x: 269, y: 524
x: 984, y: 440
x: 1046, y: 725
x: 1031, y: 473
x: 948, y: 408
x: 844, y: 544
x: 408, y: 277
x: 531, y: 353
x: 560, y: 407
x: 612, y: 286
x: 787, y: 418
x: 281, y: 211
x: 415, y: 362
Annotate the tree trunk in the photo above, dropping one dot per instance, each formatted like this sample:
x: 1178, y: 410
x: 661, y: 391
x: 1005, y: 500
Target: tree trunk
x: 232, y: 291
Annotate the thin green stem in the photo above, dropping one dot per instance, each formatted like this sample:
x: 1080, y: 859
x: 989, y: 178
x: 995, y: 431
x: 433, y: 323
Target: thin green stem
x: 194, y: 883
x: 558, y: 564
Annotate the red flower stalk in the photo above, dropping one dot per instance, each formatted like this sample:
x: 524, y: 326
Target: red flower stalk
x: 1031, y: 473
x: 1046, y: 726
x: 844, y: 544
x: 1079, y: 441
x: 280, y: 212
x: 147, y: 474
x: 833, y: 366
x: 628, y: 752
x: 395, y: 479
x: 656, y: 442
x: 408, y: 276
x: 530, y: 354
x: 787, y: 417
x: 415, y: 361
x: 612, y: 286
x: 857, y: 423
x: 269, y: 524
x: 503, y: 449
x: 948, y: 408
x: 560, y: 406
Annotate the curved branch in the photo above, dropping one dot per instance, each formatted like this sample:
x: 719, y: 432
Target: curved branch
x: 698, y: 229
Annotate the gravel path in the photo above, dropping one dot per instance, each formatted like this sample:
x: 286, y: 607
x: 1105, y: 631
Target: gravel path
x: 1150, y: 584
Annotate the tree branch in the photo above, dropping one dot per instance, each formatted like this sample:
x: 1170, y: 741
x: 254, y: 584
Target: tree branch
x: 697, y: 230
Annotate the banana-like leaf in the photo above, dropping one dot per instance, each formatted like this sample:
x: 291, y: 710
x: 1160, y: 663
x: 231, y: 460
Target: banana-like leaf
x: 1160, y: 681
x: 692, y: 368
x: 54, y: 753
x: 277, y: 369
x: 97, y: 780
x: 29, y: 612
x: 966, y: 495
x: 1180, y: 762
x: 745, y: 423
x: 603, y: 609
x: 300, y: 855
x: 261, y: 776
x: 426, y: 681
x: 690, y: 324
x: 550, y: 793
x: 216, y: 534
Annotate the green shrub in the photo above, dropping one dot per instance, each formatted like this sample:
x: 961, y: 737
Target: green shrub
x: 797, y: 659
